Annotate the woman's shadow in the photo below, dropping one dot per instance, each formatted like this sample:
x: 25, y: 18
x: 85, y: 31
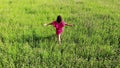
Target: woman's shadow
x: 43, y: 39
x: 35, y: 39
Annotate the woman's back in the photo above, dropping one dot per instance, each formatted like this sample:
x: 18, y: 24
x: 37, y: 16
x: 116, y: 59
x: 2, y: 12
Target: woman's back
x: 58, y: 25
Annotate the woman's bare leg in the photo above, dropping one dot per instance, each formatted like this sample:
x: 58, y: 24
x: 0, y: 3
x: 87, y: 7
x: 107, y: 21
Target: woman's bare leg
x: 59, y: 38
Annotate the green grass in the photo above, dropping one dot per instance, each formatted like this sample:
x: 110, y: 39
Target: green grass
x: 94, y: 41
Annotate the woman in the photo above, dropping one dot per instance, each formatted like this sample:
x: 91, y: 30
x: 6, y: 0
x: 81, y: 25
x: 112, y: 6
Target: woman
x: 59, y: 25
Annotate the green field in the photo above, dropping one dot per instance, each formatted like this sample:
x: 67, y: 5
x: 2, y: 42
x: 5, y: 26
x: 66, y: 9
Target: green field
x: 94, y: 41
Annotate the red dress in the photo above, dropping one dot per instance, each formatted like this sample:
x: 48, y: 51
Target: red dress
x: 59, y: 26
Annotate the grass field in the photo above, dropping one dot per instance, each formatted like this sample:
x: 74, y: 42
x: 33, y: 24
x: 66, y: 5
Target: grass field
x: 94, y: 41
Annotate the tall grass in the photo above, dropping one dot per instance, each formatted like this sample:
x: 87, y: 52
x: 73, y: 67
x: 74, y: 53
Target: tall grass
x: 94, y: 41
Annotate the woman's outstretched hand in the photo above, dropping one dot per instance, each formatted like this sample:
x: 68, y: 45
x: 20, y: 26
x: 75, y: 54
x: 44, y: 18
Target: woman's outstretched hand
x: 45, y: 24
x: 72, y: 25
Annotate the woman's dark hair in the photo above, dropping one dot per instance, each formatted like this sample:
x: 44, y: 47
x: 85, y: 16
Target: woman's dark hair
x: 59, y: 19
